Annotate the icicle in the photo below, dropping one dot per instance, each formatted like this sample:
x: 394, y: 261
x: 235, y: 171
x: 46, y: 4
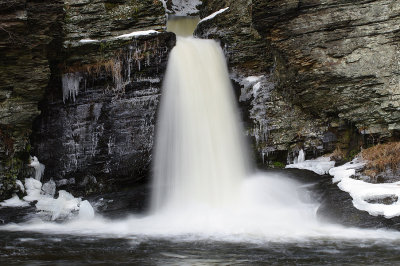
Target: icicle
x: 70, y: 85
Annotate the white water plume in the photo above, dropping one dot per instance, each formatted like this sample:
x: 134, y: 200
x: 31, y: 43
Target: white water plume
x: 200, y: 156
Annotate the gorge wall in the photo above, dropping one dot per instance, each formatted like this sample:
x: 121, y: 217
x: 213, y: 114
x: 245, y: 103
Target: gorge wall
x: 312, y: 74
x: 28, y: 32
x: 80, y: 91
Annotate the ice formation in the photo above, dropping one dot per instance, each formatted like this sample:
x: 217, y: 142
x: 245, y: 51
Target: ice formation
x: 85, y: 210
x: 70, y: 85
x: 302, y: 157
x: 15, y: 201
x: 33, y: 188
x: 49, y: 188
x: 39, y: 168
x: 320, y: 165
x: 363, y: 192
x: 62, y: 206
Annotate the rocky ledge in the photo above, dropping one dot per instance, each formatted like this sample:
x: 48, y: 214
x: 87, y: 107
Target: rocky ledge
x: 311, y: 74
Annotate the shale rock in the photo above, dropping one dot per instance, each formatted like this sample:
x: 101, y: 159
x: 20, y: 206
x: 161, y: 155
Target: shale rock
x: 326, y: 68
x: 28, y: 29
x: 96, y: 91
x: 102, y: 136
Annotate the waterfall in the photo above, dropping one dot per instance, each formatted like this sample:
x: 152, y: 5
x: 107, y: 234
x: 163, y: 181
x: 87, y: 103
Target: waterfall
x: 200, y: 158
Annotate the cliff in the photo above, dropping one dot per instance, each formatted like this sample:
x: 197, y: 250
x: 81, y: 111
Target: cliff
x: 328, y: 71
x: 84, y: 77
x: 28, y: 31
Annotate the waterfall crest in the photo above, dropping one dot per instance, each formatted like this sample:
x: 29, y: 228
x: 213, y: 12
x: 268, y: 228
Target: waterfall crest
x: 200, y: 157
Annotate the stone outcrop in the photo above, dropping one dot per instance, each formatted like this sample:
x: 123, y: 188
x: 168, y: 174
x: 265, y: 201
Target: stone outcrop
x: 102, y: 137
x: 96, y: 129
x: 28, y: 30
x: 95, y: 88
x: 330, y: 70
x: 85, y: 19
x: 182, y: 7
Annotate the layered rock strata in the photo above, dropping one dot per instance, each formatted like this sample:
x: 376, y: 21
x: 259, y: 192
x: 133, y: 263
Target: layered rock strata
x: 92, y: 70
x: 28, y: 31
x: 329, y: 70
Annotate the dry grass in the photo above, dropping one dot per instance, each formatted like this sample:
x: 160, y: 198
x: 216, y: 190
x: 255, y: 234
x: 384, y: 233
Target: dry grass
x: 382, y: 157
x: 338, y: 154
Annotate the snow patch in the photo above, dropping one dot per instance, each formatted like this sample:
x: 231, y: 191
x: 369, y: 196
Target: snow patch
x: 185, y: 7
x: 214, y: 14
x: 362, y: 192
x: 320, y: 166
x: 136, y: 33
x: 14, y: 202
x: 88, y: 41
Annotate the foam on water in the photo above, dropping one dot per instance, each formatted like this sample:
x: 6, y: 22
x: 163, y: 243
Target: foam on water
x: 268, y: 209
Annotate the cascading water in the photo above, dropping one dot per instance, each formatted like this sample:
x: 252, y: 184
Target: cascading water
x: 200, y: 156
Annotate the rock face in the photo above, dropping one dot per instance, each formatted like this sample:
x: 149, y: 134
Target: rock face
x: 96, y: 129
x: 182, y: 7
x: 98, y: 89
x: 86, y: 19
x: 28, y: 30
x: 102, y: 136
x: 329, y: 70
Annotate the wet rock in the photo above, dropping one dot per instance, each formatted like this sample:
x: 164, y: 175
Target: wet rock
x: 123, y: 203
x: 41, y: 48
x: 27, y: 31
x: 182, y: 7
x: 107, y: 18
x: 327, y: 66
x: 337, y: 58
x: 336, y: 206
x: 386, y: 200
x: 103, y: 136
x: 16, y: 215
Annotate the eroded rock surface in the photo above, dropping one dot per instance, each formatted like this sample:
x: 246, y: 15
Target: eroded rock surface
x: 328, y: 67
x: 95, y: 88
x: 28, y: 30
x: 102, y: 137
